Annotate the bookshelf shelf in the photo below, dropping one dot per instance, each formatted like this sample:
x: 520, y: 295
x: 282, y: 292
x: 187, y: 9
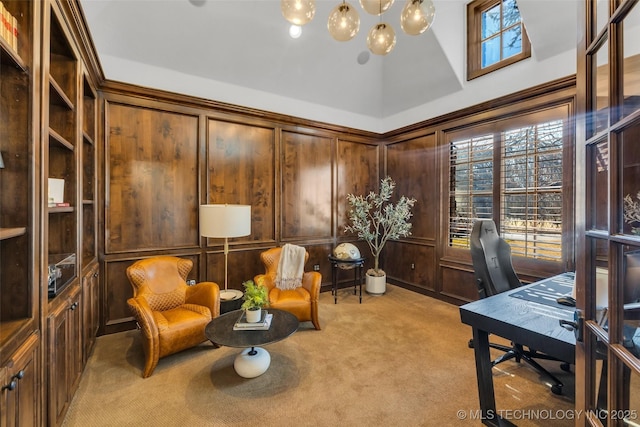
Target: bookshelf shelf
x: 8, y: 233
x: 8, y: 56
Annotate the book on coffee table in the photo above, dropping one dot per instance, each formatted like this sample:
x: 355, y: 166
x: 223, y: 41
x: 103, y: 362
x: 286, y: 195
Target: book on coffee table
x: 262, y: 325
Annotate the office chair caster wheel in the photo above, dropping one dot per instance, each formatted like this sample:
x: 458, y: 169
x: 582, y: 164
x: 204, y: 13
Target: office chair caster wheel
x: 556, y: 389
x: 565, y: 367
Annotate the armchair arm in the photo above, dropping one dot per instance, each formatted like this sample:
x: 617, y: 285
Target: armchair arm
x: 311, y: 281
x: 206, y: 294
x: 144, y: 316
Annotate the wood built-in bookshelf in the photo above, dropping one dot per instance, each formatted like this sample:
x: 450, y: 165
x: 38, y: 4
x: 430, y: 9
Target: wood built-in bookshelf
x: 62, y: 153
x: 89, y: 97
x: 17, y: 288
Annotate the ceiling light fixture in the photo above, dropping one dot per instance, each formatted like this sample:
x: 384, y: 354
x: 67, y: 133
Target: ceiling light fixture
x: 344, y: 22
x: 298, y: 12
x: 295, y: 31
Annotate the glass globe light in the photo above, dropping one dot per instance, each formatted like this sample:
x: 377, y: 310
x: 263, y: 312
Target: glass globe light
x: 417, y: 16
x: 344, y: 22
x: 376, y: 7
x: 298, y: 12
x: 381, y: 39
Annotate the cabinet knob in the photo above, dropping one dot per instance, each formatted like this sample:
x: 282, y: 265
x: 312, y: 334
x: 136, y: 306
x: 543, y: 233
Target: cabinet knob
x: 11, y: 386
x: 74, y: 306
x: 14, y: 381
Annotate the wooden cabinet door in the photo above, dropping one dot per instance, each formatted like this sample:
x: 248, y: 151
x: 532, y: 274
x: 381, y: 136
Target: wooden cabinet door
x: 75, y: 348
x: 65, y: 354
x: 90, y: 311
x: 20, y: 404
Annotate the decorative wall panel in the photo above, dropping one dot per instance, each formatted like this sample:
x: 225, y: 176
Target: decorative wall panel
x: 241, y: 170
x: 357, y: 173
x: 152, y: 179
x: 306, y: 186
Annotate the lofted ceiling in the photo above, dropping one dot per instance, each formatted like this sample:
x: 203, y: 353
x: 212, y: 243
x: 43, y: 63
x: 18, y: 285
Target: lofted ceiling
x: 239, y: 52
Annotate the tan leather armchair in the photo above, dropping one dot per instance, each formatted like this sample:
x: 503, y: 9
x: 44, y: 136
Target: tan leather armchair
x: 171, y: 315
x: 303, y: 301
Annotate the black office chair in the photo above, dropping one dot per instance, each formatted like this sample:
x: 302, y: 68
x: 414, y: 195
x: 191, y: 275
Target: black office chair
x: 494, y: 273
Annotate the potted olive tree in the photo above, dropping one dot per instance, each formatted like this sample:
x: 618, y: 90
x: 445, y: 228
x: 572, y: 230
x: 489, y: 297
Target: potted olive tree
x: 255, y: 297
x: 374, y: 219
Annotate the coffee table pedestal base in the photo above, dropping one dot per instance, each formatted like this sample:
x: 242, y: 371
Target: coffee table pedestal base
x: 252, y: 362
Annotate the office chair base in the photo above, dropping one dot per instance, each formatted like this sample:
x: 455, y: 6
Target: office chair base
x: 519, y: 354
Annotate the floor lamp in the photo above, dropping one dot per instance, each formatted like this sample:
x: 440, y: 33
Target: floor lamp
x: 225, y: 221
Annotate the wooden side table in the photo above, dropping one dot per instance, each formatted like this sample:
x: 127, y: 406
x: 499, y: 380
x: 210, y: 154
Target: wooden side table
x: 346, y: 264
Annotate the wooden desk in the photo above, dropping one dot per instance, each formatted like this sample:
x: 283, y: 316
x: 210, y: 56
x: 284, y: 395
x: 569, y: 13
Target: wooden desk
x: 528, y: 323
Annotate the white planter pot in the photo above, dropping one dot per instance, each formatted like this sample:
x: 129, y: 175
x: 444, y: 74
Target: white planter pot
x: 253, y: 315
x: 376, y: 285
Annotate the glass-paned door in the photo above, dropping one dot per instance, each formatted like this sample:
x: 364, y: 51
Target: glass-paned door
x: 608, y: 276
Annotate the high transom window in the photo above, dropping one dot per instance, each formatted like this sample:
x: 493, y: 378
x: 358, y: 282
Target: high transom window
x: 496, y: 36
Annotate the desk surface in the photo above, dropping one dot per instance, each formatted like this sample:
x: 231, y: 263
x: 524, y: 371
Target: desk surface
x: 532, y: 324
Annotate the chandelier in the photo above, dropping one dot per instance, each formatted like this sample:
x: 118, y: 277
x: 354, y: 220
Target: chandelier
x: 344, y: 22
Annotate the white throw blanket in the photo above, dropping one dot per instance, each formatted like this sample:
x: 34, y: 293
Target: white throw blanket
x: 290, y: 267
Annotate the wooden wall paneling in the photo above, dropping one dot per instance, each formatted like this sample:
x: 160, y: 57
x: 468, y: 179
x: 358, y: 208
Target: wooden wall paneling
x: 116, y: 314
x: 357, y: 173
x: 411, y: 263
x: 241, y: 169
x: 413, y: 166
x: 306, y: 186
x: 319, y: 254
x: 243, y: 265
x: 458, y: 283
x: 151, y: 179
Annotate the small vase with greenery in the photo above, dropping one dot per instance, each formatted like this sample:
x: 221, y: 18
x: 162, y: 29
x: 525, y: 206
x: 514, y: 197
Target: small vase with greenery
x: 376, y: 220
x: 255, y: 298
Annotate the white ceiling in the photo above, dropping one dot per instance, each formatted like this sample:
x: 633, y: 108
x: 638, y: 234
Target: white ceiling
x: 239, y: 51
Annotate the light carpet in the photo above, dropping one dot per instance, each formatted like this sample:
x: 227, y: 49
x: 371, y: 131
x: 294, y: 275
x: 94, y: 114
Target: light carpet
x: 399, y: 359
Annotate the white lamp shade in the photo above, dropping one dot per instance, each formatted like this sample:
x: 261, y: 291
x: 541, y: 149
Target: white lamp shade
x: 225, y: 220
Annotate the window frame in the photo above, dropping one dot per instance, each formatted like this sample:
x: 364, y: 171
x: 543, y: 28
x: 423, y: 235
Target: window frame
x: 530, y: 267
x: 474, y: 41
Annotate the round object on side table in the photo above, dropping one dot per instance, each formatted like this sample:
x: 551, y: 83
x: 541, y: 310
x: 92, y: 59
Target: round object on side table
x: 230, y: 299
x: 346, y: 251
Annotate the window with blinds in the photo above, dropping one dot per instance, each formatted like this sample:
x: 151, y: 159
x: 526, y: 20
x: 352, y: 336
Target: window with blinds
x: 531, y: 190
x: 528, y: 197
x: 471, y: 186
